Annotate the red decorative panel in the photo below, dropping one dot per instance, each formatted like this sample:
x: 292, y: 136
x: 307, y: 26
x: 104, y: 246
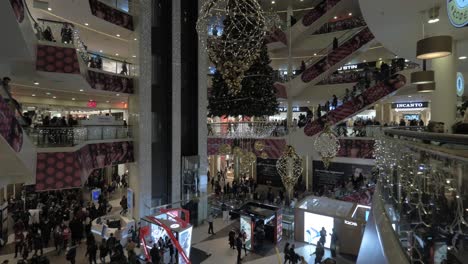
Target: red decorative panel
x: 356, y: 148
x: 109, y: 82
x: 57, y: 59
x: 368, y: 97
x: 18, y: 8
x: 111, y: 14
x: 10, y: 129
x: 280, y: 90
x: 273, y: 147
x: 335, y: 56
x: 61, y: 170
x: 318, y: 11
x: 276, y: 35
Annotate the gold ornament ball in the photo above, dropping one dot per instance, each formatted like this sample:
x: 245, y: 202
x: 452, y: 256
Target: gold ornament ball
x: 259, y: 145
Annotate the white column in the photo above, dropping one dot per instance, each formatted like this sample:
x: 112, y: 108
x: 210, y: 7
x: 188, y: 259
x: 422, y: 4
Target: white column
x: 202, y: 130
x: 290, y: 70
x: 444, y: 98
x: 176, y: 104
x: 139, y: 112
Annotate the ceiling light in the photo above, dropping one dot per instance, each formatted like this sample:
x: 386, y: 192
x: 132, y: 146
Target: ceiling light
x: 422, y: 77
x: 118, y: 94
x: 432, y: 21
x: 426, y: 88
x: 86, y: 24
x: 107, y: 101
x: 406, y: 60
x: 364, y: 61
x: 55, y: 97
x: 50, y: 9
x: 135, y: 39
x: 396, y: 56
x: 335, y: 17
x: 100, y: 51
x: 409, y: 96
x: 273, y: 2
x: 73, y: 99
x: 33, y: 95
x: 81, y: 90
x: 134, y: 56
x: 350, y: 14
x: 47, y: 93
x: 315, y: 54
x: 308, y: 102
x: 433, y: 15
x: 462, y: 58
x: 36, y: 83
x: 116, y: 54
x: 118, y: 35
x: 380, y: 59
x: 434, y: 47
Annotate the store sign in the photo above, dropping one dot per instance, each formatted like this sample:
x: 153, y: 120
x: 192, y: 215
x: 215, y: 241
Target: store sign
x: 460, y: 83
x: 285, y: 109
x: 350, y: 223
x: 410, y: 105
x: 91, y: 104
x: 348, y: 67
x: 458, y: 12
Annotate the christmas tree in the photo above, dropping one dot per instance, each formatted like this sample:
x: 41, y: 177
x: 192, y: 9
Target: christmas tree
x: 257, y: 96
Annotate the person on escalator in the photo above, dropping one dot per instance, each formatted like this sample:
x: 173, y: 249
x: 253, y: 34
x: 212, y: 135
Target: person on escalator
x: 335, y: 43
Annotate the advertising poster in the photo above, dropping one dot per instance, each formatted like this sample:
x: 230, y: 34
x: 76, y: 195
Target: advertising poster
x: 279, y: 225
x: 313, y: 223
x: 95, y: 194
x: 246, y: 225
x: 185, y: 241
x: 337, y: 173
x: 267, y: 173
x: 156, y: 233
x: 130, y: 202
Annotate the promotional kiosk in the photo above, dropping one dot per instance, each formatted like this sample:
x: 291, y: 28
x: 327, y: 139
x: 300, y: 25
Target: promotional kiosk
x: 118, y: 225
x: 346, y: 218
x: 171, y: 223
x: 261, y: 223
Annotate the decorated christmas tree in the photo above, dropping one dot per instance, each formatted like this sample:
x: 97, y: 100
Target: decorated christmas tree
x: 257, y: 96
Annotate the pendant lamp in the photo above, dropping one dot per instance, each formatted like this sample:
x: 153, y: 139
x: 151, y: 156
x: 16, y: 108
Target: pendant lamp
x: 434, y: 47
x: 422, y: 77
x: 426, y: 88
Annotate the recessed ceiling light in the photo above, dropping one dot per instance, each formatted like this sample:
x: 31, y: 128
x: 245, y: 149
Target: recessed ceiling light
x: 50, y: 9
x: 118, y: 35
x: 55, y: 97
x: 47, y: 93
x: 118, y: 94
x: 462, y: 58
x: 100, y: 51
x: 315, y: 54
x: 396, y: 56
x: 107, y: 101
x: 134, y: 56
x: 36, y: 83
x: 135, y: 39
x: 86, y: 24
x: 308, y: 102
x: 434, y: 20
x: 409, y: 96
x: 33, y: 95
x: 406, y: 60
x: 273, y: 2
x: 81, y: 90
x: 364, y: 61
x: 335, y: 17
x: 116, y: 54
x: 350, y: 14
x: 380, y: 58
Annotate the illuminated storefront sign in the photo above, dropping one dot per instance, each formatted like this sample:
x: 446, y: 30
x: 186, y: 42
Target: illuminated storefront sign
x: 285, y: 109
x: 410, y: 105
x: 350, y: 223
x: 460, y: 83
x: 458, y: 12
x: 348, y: 67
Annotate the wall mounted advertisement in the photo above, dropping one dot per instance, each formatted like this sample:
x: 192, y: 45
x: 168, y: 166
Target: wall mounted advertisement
x: 185, y: 241
x: 246, y: 225
x: 313, y: 223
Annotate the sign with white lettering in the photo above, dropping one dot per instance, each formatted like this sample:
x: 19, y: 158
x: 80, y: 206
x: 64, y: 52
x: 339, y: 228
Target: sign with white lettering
x: 410, y: 105
x: 285, y: 109
x: 458, y: 12
x: 348, y: 67
x: 350, y: 223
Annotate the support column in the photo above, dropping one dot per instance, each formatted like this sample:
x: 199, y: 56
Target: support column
x: 290, y: 70
x: 444, y: 99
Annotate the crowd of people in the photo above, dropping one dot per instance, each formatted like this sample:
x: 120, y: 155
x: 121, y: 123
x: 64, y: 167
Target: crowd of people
x: 341, y: 25
x: 66, y: 33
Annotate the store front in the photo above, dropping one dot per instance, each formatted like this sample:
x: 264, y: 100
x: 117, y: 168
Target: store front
x: 283, y: 113
x: 410, y: 111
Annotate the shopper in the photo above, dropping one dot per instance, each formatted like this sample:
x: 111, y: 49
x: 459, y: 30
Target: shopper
x: 323, y: 235
x: 154, y: 253
x: 103, y: 251
x: 71, y: 254
x: 335, y: 43
x: 333, y: 240
x: 124, y: 70
x: 334, y: 102
x: 286, y: 253
x: 210, y: 224
x: 91, y: 252
x: 239, y: 248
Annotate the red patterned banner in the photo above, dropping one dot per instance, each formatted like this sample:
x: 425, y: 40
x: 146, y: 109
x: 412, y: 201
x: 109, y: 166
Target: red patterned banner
x: 276, y: 35
x: 356, y: 148
x: 61, y: 170
x: 367, y: 98
x: 10, y: 129
x: 111, y: 14
x: 18, y: 8
x: 273, y: 147
x: 318, y: 11
x: 109, y: 82
x: 57, y: 59
x: 335, y: 56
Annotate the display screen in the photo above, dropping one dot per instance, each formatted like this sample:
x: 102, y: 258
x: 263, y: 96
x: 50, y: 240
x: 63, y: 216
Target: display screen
x: 313, y: 223
x: 185, y: 241
x: 95, y: 194
x: 246, y: 225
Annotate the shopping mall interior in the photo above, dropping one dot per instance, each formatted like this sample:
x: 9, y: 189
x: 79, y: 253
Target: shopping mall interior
x: 234, y: 131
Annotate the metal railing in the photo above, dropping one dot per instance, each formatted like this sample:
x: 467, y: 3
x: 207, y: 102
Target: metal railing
x: 72, y: 136
x: 246, y: 129
x: 422, y: 185
x: 345, y: 24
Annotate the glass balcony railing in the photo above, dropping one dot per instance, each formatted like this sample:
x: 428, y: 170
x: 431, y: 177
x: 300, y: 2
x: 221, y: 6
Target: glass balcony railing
x: 423, y: 180
x: 72, y: 136
x: 122, y: 5
x: 246, y: 129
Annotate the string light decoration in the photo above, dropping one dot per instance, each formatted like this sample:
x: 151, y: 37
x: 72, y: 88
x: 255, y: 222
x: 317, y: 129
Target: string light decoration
x: 424, y: 191
x: 327, y: 146
x: 289, y: 167
x: 225, y: 149
x: 243, y: 30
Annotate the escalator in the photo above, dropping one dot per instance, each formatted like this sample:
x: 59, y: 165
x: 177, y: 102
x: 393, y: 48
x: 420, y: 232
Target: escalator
x: 350, y: 45
x: 356, y: 104
x: 323, y: 11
